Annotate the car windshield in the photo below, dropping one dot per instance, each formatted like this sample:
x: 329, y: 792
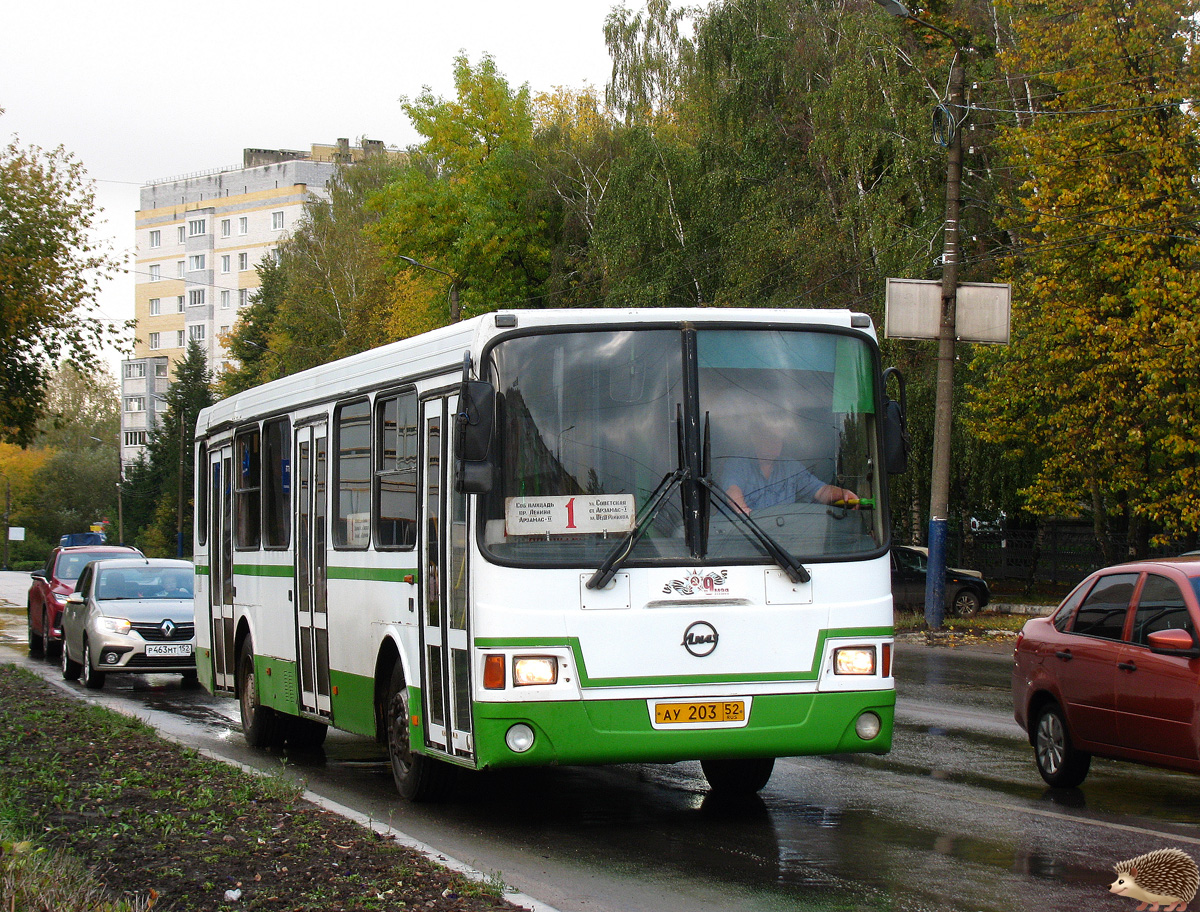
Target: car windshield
x: 143, y: 583
x: 71, y: 563
x: 594, y: 422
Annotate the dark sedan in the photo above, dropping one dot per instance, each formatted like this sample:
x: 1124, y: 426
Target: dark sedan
x: 1114, y: 672
x: 966, y: 590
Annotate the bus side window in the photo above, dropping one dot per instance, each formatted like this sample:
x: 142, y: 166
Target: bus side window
x: 247, y: 500
x: 396, y: 471
x: 276, y: 483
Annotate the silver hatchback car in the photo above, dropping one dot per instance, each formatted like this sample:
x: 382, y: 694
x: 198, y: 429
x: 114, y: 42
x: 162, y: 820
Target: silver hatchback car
x: 130, y: 615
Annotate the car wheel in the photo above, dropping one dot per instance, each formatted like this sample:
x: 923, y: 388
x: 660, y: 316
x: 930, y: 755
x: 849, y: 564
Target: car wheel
x: 965, y: 603
x: 92, y: 678
x: 260, y: 724
x: 1061, y: 765
x: 70, y: 668
x: 35, y: 640
x: 49, y: 645
x: 738, y: 777
x: 418, y: 778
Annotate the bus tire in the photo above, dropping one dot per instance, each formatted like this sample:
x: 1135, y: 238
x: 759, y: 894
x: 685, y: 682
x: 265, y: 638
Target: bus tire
x: 260, y: 724
x: 418, y: 778
x: 738, y: 777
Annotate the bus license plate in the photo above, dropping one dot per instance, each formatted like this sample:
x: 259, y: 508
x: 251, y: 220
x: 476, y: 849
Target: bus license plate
x: 700, y: 713
x: 164, y: 649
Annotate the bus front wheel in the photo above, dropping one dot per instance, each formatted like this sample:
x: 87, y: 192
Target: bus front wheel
x: 738, y: 777
x: 418, y: 778
x: 260, y: 725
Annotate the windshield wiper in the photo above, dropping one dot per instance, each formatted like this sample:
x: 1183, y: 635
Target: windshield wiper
x: 608, y: 569
x: 784, y: 558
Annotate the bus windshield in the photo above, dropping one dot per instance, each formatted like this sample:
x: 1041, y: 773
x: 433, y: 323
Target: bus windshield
x: 594, y: 435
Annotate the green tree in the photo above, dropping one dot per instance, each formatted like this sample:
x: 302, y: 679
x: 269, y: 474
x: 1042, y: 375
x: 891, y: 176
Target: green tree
x: 50, y: 272
x: 1106, y: 287
x: 469, y: 204
x: 249, y: 342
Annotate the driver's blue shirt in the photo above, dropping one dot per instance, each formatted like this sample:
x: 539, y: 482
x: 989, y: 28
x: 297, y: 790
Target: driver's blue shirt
x: 790, y: 482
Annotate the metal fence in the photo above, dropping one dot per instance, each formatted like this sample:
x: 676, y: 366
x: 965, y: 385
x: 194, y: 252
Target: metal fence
x: 1057, y: 555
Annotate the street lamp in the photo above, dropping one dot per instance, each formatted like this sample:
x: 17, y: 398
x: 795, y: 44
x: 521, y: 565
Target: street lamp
x: 939, y: 493
x: 454, y: 311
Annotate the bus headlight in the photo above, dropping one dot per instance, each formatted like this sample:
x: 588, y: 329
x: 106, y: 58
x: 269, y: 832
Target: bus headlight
x: 519, y: 738
x: 535, y: 670
x: 854, y: 660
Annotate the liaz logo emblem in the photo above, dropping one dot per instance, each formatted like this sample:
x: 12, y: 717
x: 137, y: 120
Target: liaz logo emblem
x: 700, y: 639
x: 697, y: 583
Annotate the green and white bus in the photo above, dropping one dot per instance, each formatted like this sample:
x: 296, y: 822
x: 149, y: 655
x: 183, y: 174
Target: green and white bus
x: 530, y: 539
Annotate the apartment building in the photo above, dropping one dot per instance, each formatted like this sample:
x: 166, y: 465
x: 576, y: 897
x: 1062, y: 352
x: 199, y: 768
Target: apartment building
x: 200, y: 238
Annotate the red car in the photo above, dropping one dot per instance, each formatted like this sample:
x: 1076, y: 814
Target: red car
x: 51, y: 586
x: 1114, y: 672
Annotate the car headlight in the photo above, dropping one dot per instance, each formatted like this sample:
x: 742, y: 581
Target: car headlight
x: 535, y: 670
x: 113, y: 625
x: 854, y: 660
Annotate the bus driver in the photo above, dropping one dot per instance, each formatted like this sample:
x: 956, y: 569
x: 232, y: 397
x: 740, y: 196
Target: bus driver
x: 766, y: 480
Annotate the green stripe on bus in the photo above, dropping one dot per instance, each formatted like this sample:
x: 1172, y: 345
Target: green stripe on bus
x: 369, y: 574
x: 201, y: 570
x: 373, y: 574
x: 586, y: 681
x: 281, y: 570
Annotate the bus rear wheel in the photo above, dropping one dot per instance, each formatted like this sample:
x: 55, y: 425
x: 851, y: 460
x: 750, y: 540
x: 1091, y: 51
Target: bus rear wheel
x: 418, y: 778
x: 260, y: 724
x: 738, y: 777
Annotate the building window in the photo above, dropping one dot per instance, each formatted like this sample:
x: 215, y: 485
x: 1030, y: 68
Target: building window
x: 226, y: 262
x: 195, y: 262
x: 243, y: 297
x: 135, y: 369
x: 155, y: 306
x: 196, y: 297
x: 160, y: 370
x: 243, y: 262
x: 179, y: 338
x: 276, y: 221
x: 244, y: 225
x: 179, y: 304
x: 155, y: 272
x: 135, y: 438
x: 196, y: 332
x: 224, y: 299
x: 181, y: 234
x: 396, y: 471
x: 226, y: 228
x: 197, y: 227
x: 135, y: 403
x: 156, y: 238
x: 180, y: 267
x: 155, y: 341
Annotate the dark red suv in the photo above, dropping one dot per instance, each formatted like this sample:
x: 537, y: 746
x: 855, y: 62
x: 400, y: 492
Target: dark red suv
x: 51, y: 586
x: 1114, y: 672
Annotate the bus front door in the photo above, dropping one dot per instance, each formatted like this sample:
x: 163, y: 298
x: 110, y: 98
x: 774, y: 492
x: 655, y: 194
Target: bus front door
x: 220, y: 566
x: 311, y: 601
x: 445, y: 666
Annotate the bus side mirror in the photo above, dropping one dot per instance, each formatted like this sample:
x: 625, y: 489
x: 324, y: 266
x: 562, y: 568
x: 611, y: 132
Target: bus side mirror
x: 476, y: 423
x: 896, y: 442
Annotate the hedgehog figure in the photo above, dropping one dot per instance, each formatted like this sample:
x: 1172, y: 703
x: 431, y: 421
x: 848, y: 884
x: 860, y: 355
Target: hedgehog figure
x: 1166, y: 877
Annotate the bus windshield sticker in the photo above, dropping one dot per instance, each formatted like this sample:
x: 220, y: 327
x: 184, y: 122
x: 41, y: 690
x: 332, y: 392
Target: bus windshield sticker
x: 579, y: 514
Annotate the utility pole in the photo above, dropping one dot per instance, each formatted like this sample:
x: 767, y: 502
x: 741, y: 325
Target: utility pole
x: 939, y: 493
x: 7, y: 509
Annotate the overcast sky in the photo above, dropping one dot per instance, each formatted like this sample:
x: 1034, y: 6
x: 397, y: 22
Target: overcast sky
x: 141, y: 91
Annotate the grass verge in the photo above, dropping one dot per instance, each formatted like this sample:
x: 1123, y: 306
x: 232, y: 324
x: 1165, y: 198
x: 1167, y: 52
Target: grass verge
x: 99, y: 808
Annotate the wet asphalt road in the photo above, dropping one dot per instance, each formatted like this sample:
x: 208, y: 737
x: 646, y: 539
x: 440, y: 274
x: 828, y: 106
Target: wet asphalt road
x: 954, y: 817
